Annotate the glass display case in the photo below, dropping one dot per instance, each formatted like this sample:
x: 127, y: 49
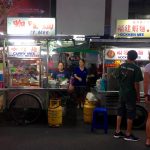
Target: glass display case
x: 23, y: 66
x: 24, y: 73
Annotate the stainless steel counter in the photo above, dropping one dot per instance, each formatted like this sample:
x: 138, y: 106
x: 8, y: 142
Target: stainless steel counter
x: 28, y: 88
x: 109, y: 99
x: 112, y: 92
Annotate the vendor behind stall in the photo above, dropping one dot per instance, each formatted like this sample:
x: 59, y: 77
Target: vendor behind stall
x: 80, y: 77
x: 92, y: 76
x: 61, y: 74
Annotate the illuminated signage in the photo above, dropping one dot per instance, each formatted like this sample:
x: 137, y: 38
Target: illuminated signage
x: 121, y: 53
x: 24, y: 51
x: 31, y: 26
x: 79, y: 37
x: 136, y: 28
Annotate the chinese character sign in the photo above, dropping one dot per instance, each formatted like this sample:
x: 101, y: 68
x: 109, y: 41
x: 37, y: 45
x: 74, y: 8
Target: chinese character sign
x: 121, y: 53
x: 24, y: 51
x: 31, y: 26
x: 133, y: 28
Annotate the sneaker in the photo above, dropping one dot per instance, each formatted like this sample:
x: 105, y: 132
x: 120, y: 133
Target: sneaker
x: 131, y: 138
x: 119, y: 135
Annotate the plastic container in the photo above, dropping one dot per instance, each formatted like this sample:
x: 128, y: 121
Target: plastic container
x: 103, y: 85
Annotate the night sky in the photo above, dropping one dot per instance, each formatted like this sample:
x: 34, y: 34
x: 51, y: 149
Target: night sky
x: 24, y: 8
x: 29, y: 7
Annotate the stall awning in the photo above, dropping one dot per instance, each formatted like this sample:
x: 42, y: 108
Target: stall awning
x: 84, y: 48
x: 123, y: 42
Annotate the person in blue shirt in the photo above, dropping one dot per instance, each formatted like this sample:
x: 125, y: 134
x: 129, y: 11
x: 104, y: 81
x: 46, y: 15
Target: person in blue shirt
x: 80, y: 77
x: 61, y: 74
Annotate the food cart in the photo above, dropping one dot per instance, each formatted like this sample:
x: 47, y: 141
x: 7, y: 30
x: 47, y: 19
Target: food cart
x: 114, y: 53
x: 28, y: 89
x: 27, y: 60
x: 132, y: 34
x: 24, y: 70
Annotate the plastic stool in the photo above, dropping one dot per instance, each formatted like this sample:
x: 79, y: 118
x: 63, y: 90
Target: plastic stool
x: 95, y: 121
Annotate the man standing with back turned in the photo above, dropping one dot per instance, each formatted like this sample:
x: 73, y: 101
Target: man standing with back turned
x: 129, y: 75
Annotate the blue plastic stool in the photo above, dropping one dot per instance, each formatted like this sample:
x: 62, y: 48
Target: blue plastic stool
x: 96, y: 119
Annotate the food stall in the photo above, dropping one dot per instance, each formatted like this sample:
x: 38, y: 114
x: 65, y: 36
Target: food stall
x: 130, y: 35
x: 26, y: 51
x: 115, y: 51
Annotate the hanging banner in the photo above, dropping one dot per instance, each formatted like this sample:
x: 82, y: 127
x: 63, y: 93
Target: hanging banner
x: 24, y: 51
x: 133, y: 28
x: 121, y: 53
x: 31, y: 26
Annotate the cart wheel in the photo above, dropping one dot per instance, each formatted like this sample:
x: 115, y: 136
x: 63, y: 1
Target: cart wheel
x: 25, y: 108
x: 141, y: 117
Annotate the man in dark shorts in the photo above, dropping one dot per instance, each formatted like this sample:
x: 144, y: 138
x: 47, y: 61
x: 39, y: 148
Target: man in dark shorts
x: 129, y: 75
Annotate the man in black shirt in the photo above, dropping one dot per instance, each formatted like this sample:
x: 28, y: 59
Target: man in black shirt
x: 129, y: 75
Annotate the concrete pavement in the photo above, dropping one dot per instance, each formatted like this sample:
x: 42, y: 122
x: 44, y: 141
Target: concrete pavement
x: 40, y: 136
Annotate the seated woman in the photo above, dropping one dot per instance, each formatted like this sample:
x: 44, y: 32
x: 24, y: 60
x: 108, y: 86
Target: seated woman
x: 61, y: 74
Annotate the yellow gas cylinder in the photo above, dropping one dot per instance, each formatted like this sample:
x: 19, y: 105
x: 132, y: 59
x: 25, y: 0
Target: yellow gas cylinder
x: 88, y: 111
x: 55, y: 113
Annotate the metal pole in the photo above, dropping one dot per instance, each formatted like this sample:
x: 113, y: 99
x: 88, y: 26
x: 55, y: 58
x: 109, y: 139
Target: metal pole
x: 47, y: 63
x: 4, y: 64
x: 104, y: 60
